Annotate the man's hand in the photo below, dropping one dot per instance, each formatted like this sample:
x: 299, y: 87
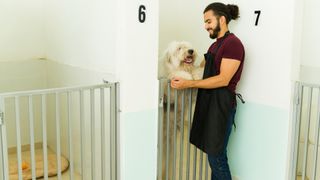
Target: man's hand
x: 179, y: 83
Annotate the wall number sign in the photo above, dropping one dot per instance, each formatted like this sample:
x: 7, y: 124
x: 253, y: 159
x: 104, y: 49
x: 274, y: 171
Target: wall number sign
x: 258, y: 12
x: 142, y: 14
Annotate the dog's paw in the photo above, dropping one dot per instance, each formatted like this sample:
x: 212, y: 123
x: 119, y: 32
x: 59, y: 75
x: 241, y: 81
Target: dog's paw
x: 182, y: 74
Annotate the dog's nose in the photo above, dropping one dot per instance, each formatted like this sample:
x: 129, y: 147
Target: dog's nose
x: 190, y: 51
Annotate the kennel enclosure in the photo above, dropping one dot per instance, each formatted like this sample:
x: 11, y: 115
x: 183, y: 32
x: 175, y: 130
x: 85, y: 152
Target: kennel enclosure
x: 306, y: 116
x: 78, y: 124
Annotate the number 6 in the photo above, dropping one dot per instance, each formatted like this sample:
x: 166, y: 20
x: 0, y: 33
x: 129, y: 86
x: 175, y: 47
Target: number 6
x: 142, y: 14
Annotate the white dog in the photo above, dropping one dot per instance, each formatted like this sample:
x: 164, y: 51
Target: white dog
x: 179, y: 61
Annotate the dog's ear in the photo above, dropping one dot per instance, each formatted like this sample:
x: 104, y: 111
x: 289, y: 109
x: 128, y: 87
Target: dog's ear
x: 166, y: 56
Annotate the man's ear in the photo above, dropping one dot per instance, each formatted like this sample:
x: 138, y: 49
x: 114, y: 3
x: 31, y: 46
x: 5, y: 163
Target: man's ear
x: 223, y: 20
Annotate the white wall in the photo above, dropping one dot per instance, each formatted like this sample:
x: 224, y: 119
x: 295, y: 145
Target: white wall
x: 78, y: 33
x: 81, y: 33
x: 21, y: 32
x: 137, y: 59
x: 311, y: 36
x: 310, y: 64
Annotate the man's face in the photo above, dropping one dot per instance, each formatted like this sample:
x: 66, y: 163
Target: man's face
x: 212, y: 24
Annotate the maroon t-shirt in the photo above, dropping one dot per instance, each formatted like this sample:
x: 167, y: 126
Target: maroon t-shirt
x: 230, y: 48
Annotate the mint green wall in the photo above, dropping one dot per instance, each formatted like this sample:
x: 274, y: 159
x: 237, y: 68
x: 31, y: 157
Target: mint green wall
x: 140, y: 145
x: 258, y: 147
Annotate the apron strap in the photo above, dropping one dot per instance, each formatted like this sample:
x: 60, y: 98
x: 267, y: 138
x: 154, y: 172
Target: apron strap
x: 242, y: 101
x: 240, y: 97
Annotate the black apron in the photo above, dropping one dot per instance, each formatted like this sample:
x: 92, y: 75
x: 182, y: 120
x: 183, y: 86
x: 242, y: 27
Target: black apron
x: 212, y: 110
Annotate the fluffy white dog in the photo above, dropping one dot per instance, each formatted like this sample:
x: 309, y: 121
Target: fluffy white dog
x: 180, y: 61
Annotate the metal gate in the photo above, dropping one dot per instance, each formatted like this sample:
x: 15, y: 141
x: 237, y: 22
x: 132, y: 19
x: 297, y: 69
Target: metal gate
x: 306, y: 163
x: 177, y: 158
x: 77, y: 123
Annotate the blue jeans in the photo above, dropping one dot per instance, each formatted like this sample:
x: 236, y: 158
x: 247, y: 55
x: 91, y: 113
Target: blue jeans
x: 219, y: 163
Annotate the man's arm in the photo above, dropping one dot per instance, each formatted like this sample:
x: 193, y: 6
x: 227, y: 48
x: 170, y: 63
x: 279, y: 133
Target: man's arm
x: 227, y: 70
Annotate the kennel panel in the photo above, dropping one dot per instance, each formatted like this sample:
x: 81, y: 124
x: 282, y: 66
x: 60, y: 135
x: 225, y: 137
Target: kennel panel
x: 4, y: 172
x: 307, y: 122
x: 177, y: 158
x: 78, y: 124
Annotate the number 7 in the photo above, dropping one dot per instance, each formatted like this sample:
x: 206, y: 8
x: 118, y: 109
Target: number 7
x: 258, y: 15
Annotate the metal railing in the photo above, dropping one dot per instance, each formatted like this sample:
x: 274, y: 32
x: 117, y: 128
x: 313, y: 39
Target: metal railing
x: 78, y: 123
x: 177, y: 158
x: 306, y: 164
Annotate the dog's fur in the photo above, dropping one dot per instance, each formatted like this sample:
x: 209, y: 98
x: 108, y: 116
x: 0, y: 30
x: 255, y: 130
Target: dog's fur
x: 179, y: 60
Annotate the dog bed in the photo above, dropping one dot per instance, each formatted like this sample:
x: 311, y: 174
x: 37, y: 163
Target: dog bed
x: 26, y: 164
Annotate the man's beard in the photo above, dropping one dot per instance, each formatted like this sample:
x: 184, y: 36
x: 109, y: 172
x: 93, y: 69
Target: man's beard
x: 216, y: 30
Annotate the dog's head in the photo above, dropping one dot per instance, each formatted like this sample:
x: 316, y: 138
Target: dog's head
x: 180, y: 54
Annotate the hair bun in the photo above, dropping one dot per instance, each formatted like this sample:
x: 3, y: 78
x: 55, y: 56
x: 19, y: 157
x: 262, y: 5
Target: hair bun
x: 233, y: 11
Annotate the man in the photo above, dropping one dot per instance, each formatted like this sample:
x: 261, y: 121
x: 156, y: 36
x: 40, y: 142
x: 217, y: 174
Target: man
x: 216, y: 99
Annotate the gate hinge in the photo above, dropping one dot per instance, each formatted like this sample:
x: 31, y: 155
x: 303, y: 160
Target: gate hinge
x: 1, y: 118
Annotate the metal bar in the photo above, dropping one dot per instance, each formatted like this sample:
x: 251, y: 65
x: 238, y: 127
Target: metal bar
x: 3, y: 140
x: 201, y: 163
x: 175, y: 133
x: 160, y: 131
x: 2, y: 171
x: 18, y: 131
x: 195, y: 158
x: 58, y: 135
x: 112, y: 117
x: 82, y: 134
x: 310, y: 85
x: 181, y: 135
x: 117, y: 128
x: 103, y: 131
x: 44, y: 136
x: 189, y: 125
x: 206, y: 168
x: 31, y: 127
x: 297, y: 124
x: 93, y: 150
x: 168, y: 132
x: 70, y: 147
x: 53, y: 90
x: 304, y: 166
x: 316, y: 148
x: 2, y: 146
